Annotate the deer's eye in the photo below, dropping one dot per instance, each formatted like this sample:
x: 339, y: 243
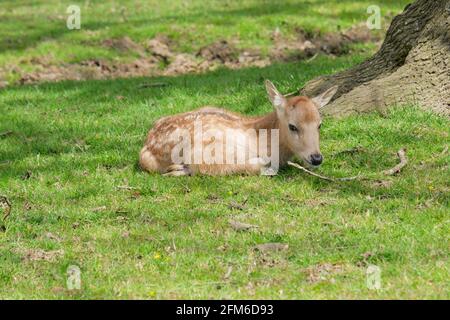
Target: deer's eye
x: 293, y: 128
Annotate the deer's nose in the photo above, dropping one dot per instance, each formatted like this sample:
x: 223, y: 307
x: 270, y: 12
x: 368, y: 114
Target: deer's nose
x: 316, y: 159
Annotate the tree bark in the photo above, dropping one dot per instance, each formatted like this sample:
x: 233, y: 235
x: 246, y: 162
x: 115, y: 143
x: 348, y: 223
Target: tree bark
x: 412, y: 66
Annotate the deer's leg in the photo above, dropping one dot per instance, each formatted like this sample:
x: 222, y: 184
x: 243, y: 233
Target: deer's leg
x: 257, y: 166
x: 177, y: 170
x: 148, y: 161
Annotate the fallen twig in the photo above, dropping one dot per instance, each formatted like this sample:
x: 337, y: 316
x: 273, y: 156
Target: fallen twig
x: 320, y: 176
x: 239, y: 226
x: 312, y: 58
x: 238, y: 206
x: 401, y: 154
x: 403, y: 161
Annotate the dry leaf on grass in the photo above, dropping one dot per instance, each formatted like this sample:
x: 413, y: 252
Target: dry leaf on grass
x: 323, y: 272
x: 228, y: 273
x: 239, y: 226
x: 365, y: 257
x: 4, y: 203
x: 97, y: 209
x: 27, y: 206
x: 27, y: 175
x: 52, y: 236
x: 238, y: 206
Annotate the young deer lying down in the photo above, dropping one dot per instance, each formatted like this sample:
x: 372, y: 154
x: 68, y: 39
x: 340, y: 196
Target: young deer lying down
x: 218, y: 142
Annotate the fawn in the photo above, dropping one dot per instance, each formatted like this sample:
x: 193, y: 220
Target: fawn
x: 198, y: 142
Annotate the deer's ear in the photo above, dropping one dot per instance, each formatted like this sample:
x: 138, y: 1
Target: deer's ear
x: 325, y: 97
x: 277, y: 99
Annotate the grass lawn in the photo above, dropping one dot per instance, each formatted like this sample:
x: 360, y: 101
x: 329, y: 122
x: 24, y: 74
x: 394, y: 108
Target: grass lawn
x: 75, y: 143
x: 68, y: 165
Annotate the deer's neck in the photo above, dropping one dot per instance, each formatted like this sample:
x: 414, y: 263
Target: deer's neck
x: 270, y: 121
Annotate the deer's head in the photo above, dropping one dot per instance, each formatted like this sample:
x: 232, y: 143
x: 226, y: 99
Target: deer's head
x: 299, y: 122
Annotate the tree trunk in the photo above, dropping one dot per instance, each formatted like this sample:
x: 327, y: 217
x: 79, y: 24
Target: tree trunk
x: 411, y: 67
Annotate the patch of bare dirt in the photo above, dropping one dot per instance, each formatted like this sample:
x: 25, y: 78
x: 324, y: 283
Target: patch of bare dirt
x: 160, y: 47
x: 181, y: 64
x: 251, y: 58
x: 221, y: 51
x: 146, y: 65
x: 52, y: 236
x: 42, y: 255
x: 225, y: 53
x: 158, y: 52
x: 307, y: 44
x: 91, y: 69
x: 124, y: 44
x: 360, y: 33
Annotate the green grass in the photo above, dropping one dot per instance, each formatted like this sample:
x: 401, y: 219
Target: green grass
x: 36, y: 29
x: 170, y: 237
x: 74, y: 143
